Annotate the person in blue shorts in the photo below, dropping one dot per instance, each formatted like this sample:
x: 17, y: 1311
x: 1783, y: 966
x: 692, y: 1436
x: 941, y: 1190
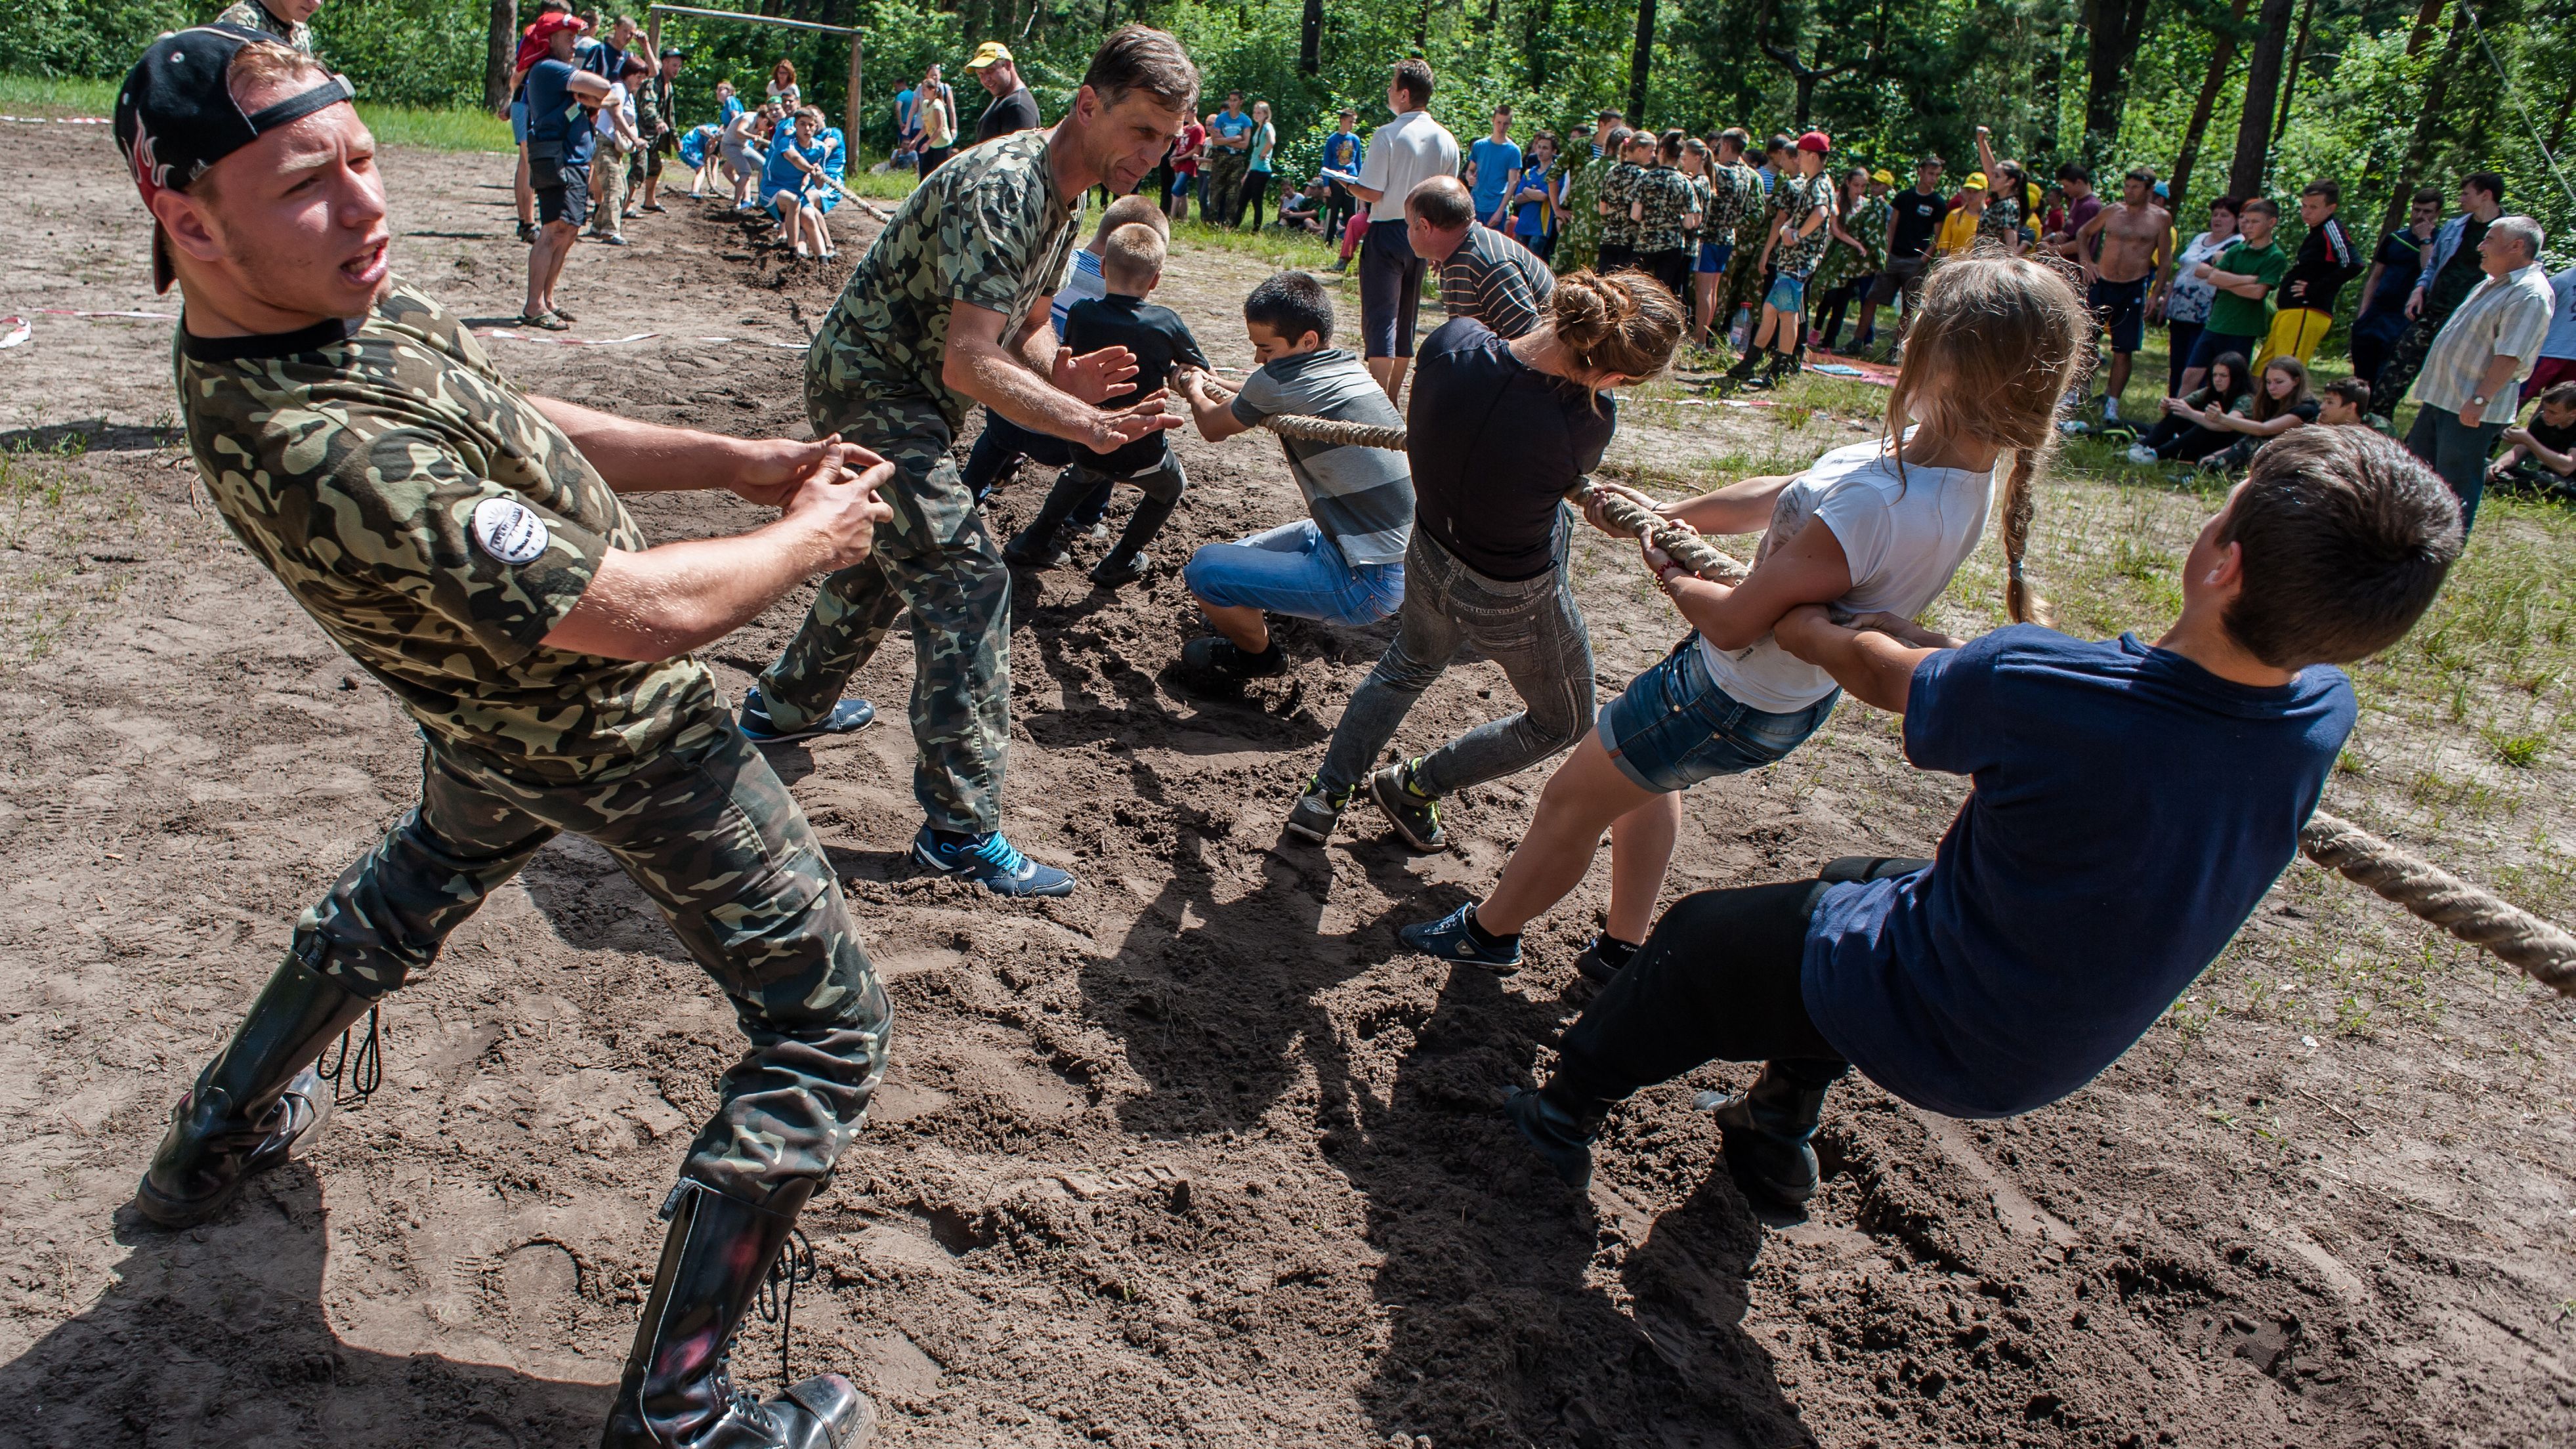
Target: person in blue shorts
x: 2132, y: 803
x: 796, y: 184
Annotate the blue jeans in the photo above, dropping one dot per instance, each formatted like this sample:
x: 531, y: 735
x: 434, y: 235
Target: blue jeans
x: 2457, y: 453
x: 1294, y: 570
x: 1672, y: 727
x: 1531, y: 627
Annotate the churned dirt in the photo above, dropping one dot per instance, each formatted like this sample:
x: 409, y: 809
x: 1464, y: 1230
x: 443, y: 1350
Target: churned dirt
x: 1197, y: 1156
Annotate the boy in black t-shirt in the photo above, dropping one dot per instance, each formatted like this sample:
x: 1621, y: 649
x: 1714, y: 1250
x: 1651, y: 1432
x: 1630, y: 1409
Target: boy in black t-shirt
x: 2541, y: 455
x: 1131, y: 264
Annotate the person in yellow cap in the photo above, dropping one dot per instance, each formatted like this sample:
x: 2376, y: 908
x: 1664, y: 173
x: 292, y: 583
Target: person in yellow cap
x: 1883, y: 177
x: 1959, y: 228
x: 1013, y: 108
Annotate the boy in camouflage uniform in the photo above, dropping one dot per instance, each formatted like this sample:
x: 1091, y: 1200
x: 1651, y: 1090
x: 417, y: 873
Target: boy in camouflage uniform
x: 288, y: 28
x: 1580, y: 244
x: 949, y: 309
x: 465, y: 544
x: 1665, y: 212
x: 1619, y: 201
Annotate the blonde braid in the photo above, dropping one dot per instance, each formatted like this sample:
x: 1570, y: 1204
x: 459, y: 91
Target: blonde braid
x: 2020, y: 602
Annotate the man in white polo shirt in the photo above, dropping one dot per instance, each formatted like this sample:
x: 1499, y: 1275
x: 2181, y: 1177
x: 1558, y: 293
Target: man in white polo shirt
x: 2464, y: 394
x: 1402, y: 154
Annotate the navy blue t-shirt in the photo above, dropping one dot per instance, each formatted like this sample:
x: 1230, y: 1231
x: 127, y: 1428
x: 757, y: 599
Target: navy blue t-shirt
x: 555, y: 117
x: 2130, y: 809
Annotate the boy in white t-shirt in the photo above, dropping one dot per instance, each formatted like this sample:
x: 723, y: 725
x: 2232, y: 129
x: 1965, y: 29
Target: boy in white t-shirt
x: 1875, y: 529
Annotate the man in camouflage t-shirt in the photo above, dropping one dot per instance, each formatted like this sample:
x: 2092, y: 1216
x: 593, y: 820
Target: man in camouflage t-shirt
x: 465, y: 544
x: 949, y: 309
x: 280, y: 20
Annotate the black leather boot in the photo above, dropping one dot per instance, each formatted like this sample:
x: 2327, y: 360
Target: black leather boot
x: 255, y: 1103
x: 1127, y: 561
x: 677, y: 1392
x: 1768, y: 1129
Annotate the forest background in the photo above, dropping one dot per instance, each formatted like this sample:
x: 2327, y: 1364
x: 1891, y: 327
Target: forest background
x: 2223, y: 96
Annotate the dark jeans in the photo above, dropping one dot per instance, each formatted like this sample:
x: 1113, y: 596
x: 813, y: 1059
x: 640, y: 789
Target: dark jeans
x: 2458, y: 453
x: 2186, y: 442
x: 1255, y: 194
x: 929, y: 161
x: 1718, y: 980
x: 2180, y: 338
x: 1390, y: 291
x: 1830, y: 308
x: 1531, y: 627
x: 2374, y: 337
x: 1339, y: 207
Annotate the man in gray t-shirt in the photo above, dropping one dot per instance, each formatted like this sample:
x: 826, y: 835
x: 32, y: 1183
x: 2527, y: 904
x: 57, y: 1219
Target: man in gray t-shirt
x: 1344, y: 563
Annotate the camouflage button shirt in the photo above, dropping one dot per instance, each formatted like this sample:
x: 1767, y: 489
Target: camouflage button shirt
x: 988, y: 229
x: 1669, y: 199
x: 437, y: 527
x: 1618, y: 189
x: 1728, y: 186
x: 1793, y: 198
x: 1582, y: 238
x: 2000, y: 220
x: 251, y: 15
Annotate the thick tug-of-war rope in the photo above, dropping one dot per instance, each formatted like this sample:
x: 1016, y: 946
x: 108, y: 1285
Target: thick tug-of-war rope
x: 2543, y: 950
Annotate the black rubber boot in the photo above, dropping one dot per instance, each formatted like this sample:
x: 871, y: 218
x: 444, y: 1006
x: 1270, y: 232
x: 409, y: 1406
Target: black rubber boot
x: 1036, y: 546
x: 1127, y: 560
x: 1563, y: 1139
x: 677, y: 1392
x: 255, y: 1103
x: 1769, y: 1128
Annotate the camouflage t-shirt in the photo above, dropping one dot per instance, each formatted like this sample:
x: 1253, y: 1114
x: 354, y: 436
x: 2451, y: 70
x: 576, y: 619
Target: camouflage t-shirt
x: 988, y: 229
x: 2000, y: 220
x: 1668, y: 199
x: 1618, y: 189
x: 1581, y: 241
x: 437, y: 527
x: 1731, y: 190
x: 1793, y: 199
x: 251, y: 15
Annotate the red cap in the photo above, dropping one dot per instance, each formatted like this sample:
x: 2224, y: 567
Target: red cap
x: 1816, y: 141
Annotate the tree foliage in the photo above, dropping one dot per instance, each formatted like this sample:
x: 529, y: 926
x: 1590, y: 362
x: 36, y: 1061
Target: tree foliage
x: 2109, y: 81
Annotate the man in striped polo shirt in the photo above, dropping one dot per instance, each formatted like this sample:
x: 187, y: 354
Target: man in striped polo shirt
x: 1483, y: 273
x: 1345, y: 563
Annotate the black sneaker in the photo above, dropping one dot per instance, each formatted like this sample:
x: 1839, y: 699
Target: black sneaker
x: 1114, y: 572
x: 1595, y: 963
x: 847, y: 717
x: 1565, y: 1143
x: 1416, y: 816
x: 1452, y: 938
x: 527, y: 231
x: 1215, y: 657
x: 1025, y: 552
x: 1318, y: 810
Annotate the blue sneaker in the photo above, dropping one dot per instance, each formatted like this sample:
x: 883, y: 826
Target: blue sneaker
x: 848, y: 717
x: 990, y: 859
x: 1449, y: 939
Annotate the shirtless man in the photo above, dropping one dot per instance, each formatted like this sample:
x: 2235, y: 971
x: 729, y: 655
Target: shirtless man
x: 2129, y: 245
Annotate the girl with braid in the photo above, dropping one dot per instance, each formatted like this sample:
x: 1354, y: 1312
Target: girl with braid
x: 1875, y: 529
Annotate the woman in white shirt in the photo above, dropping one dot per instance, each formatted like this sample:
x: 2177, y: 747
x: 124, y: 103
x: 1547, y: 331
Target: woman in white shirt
x: 2186, y: 301
x: 782, y: 86
x: 1875, y: 529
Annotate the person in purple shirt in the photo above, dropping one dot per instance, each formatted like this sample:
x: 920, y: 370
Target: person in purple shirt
x: 2133, y: 802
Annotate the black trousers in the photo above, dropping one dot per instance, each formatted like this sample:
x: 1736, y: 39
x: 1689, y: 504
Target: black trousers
x: 1339, y: 207
x: 1718, y: 980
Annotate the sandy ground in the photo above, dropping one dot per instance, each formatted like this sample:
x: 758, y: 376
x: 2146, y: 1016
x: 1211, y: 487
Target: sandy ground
x: 1196, y: 1156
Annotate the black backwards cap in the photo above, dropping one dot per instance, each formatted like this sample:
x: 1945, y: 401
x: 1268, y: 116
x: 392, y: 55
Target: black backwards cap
x: 176, y: 115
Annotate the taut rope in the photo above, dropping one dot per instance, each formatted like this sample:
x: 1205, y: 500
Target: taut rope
x: 2545, y: 952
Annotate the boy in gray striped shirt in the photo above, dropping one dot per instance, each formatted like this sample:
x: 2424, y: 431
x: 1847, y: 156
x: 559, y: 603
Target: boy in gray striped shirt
x: 1344, y: 564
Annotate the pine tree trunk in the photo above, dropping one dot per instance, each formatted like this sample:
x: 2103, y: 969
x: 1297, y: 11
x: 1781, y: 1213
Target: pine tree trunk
x: 2222, y: 53
x: 2262, y: 91
x: 2116, y: 28
x: 2428, y: 120
x: 500, y: 49
x: 1642, y: 60
x: 1310, y: 39
x: 2290, y: 83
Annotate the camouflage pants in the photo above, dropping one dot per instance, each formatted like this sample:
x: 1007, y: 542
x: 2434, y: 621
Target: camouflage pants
x: 1220, y: 185
x: 936, y: 558
x: 709, y: 831
x: 2405, y: 360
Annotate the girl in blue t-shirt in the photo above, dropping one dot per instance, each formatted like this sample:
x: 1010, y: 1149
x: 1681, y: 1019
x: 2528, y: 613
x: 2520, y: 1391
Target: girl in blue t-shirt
x: 2131, y: 805
x: 792, y: 184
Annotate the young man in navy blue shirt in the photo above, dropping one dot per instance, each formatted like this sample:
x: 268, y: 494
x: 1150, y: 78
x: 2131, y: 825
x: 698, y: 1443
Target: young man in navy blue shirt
x: 2132, y: 805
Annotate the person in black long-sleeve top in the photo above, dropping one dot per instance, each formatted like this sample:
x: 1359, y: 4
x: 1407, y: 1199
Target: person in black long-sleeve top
x: 1131, y: 263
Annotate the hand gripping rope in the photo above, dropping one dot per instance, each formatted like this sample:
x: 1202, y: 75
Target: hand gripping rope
x: 2544, y: 951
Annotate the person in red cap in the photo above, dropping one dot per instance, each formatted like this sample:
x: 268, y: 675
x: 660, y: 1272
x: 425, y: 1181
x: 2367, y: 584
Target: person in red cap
x: 465, y: 544
x: 563, y: 101
x: 1801, y: 202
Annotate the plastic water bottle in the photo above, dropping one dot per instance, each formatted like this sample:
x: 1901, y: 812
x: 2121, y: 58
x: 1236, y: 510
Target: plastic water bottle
x: 1742, y: 330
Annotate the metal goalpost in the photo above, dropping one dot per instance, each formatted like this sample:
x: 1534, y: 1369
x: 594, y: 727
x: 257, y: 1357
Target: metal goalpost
x: 850, y: 119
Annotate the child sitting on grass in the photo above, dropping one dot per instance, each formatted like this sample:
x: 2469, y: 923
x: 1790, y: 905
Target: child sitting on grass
x: 2132, y: 803
x: 2344, y: 403
x: 1131, y: 266
x: 2541, y: 455
x: 1344, y: 564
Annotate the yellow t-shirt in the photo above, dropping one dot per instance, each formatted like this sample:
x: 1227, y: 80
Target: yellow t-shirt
x: 1958, y: 232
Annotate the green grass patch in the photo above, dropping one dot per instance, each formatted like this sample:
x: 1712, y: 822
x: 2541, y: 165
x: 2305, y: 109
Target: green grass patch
x: 467, y: 128
x: 1280, y: 248
x: 67, y: 95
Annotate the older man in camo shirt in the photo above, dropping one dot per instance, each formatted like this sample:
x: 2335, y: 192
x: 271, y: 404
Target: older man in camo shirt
x: 466, y: 545
x: 949, y: 309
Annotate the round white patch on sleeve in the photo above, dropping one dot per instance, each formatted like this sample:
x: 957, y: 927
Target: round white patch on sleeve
x: 509, y: 530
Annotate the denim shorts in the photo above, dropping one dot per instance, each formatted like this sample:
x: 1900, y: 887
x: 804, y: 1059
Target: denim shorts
x: 519, y: 122
x: 1787, y: 294
x: 1713, y: 256
x: 1672, y: 727
x: 1294, y: 570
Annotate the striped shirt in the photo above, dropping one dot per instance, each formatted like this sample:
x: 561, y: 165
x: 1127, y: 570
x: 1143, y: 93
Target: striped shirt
x: 1361, y: 498
x: 1495, y: 280
x: 2508, y: 315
